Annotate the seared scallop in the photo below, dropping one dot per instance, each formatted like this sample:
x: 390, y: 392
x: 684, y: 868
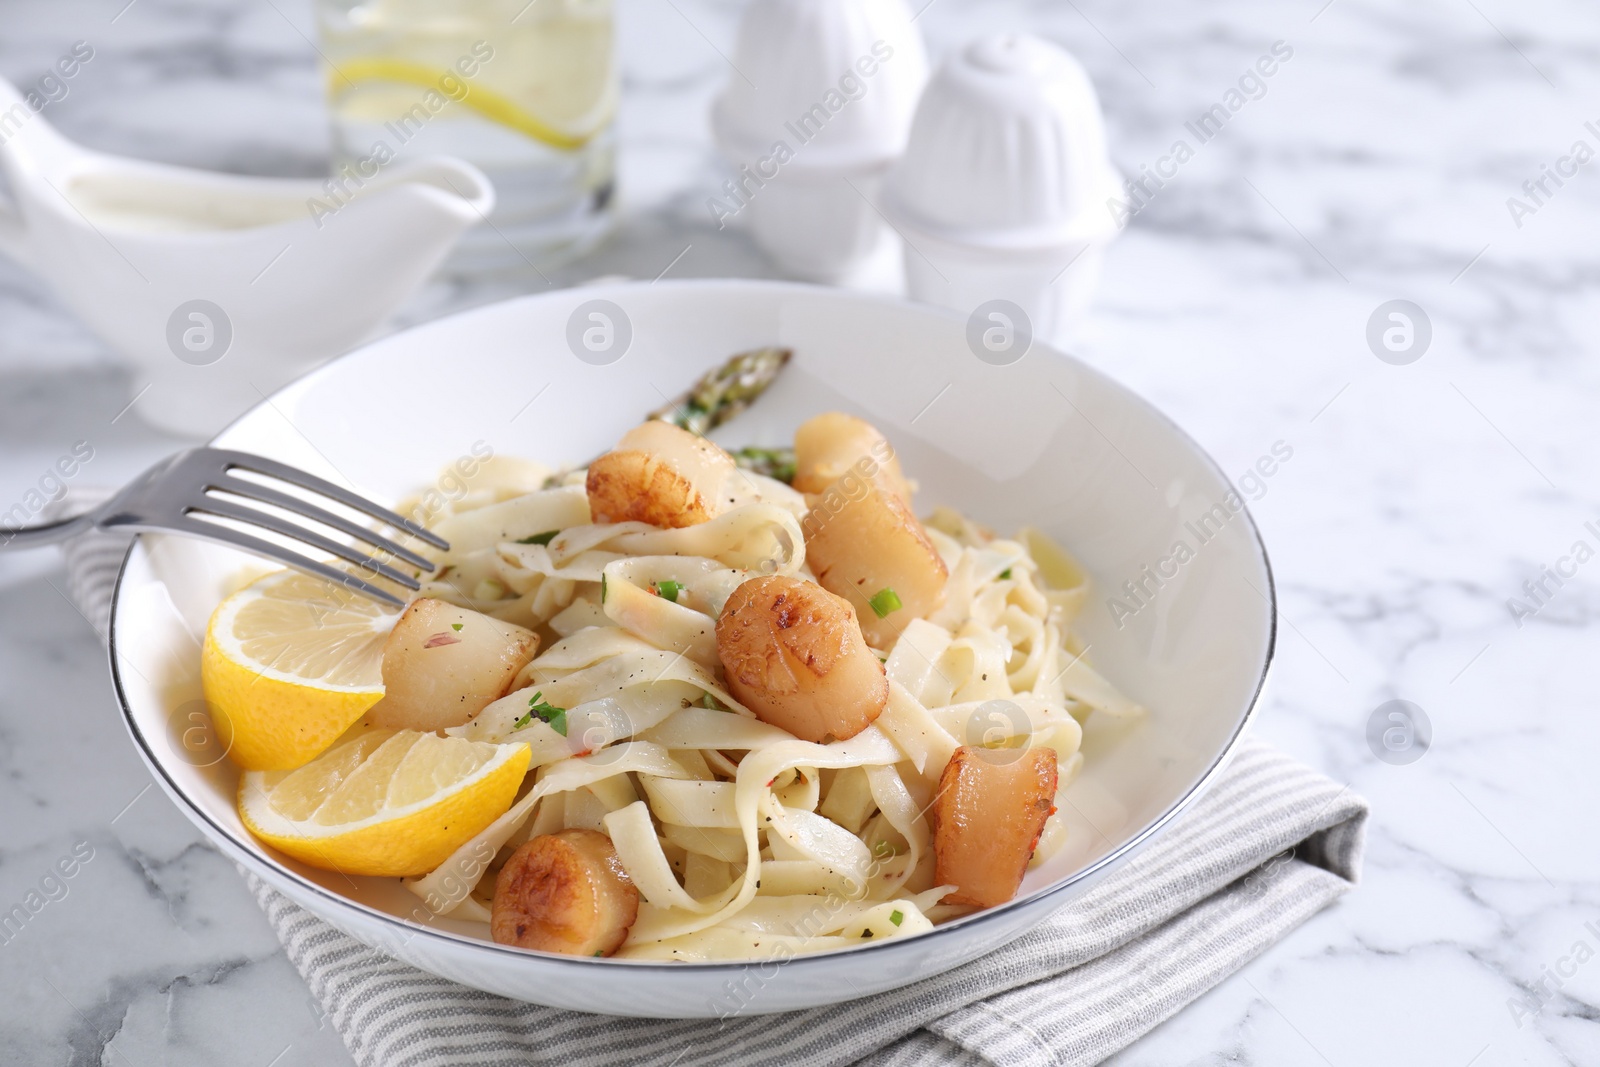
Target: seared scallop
x: 565, y: 892
x: 443, y: 664
x: 988, y: 814
x: 661, y: 475
x: 832, y: 444
x: 794, y: 655
x: 864, y: 544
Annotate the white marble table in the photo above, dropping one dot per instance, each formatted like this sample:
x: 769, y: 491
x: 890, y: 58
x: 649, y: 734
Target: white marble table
x: 1419, y: 499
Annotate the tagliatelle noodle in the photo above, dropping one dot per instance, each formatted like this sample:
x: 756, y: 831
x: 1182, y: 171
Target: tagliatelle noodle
x: 742, y: 840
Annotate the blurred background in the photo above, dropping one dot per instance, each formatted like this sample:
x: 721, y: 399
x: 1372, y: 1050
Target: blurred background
x: 1401, y: 153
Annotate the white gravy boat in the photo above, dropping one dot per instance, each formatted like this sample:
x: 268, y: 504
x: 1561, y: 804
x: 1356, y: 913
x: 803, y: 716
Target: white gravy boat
x: 222, y: 288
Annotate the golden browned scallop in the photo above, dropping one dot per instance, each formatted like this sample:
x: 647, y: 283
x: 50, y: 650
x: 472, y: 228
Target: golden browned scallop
x: 831, y: 444
x: 443, y: 664
x: 565, y: 892
x: 864, y: 544
x: 793, y: 654
x: 988, y: 815
x: 661, y: 475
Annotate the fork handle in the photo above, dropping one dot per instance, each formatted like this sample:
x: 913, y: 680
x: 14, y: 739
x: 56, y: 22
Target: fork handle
x: 46, y: 533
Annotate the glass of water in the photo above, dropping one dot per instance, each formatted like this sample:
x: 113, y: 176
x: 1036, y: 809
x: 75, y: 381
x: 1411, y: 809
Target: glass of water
x: 525, y: 89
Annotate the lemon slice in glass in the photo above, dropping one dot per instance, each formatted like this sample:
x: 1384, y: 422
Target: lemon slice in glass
x: 572, y: 118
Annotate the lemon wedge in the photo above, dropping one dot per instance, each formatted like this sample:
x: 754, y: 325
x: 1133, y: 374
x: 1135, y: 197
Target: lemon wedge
x: 384, y: 802
x: 290, y: 662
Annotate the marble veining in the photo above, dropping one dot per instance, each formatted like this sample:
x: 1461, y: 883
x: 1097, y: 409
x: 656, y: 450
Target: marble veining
x: 1376, y: 164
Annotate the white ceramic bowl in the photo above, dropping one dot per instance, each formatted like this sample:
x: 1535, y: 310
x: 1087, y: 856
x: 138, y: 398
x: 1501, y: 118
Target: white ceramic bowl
x: 1044, y: 440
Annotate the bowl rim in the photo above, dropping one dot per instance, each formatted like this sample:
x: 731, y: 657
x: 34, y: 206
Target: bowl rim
x: 271, y: 869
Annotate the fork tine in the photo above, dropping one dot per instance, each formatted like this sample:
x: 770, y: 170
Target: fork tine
x: 260, y: 547
x: 267, y: 495
x: 284, y: 473
x: 230, y: 509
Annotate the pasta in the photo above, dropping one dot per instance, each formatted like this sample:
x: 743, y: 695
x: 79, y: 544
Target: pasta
x: 739, y: 835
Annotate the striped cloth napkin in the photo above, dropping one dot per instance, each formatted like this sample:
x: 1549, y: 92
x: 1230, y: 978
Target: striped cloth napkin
x: 1270, y: 843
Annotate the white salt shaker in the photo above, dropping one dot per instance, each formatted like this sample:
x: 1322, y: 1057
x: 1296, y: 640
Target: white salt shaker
x: 819, y: 107
x: 1002, y: 191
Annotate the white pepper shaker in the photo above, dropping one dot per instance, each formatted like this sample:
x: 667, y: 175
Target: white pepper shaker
x: 819, y: 107
x: 1002, y: 191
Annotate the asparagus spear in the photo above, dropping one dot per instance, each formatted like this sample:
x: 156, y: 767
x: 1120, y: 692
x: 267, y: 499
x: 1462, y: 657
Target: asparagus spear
x: 724, y: 391
x: 719, y: 395
x: 773, y: 462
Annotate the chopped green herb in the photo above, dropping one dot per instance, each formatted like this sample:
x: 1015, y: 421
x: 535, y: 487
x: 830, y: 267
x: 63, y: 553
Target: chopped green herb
x: 897, y: 917
x: 884, y: 601
x: 669, y: 590
x: 602, y: 952
x: 540, y: 539
x: 1005, y: 574
x: 549, y: 714
x: 456, y: 626
x: 709, y: 701
x: 602, y: 587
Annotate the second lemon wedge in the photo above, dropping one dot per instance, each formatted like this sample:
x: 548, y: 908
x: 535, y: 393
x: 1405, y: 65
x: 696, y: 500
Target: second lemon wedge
x: 384, y: 802
x: 290, y: 662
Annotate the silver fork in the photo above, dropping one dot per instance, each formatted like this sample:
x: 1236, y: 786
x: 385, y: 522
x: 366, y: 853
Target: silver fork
x: 170, y: 496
